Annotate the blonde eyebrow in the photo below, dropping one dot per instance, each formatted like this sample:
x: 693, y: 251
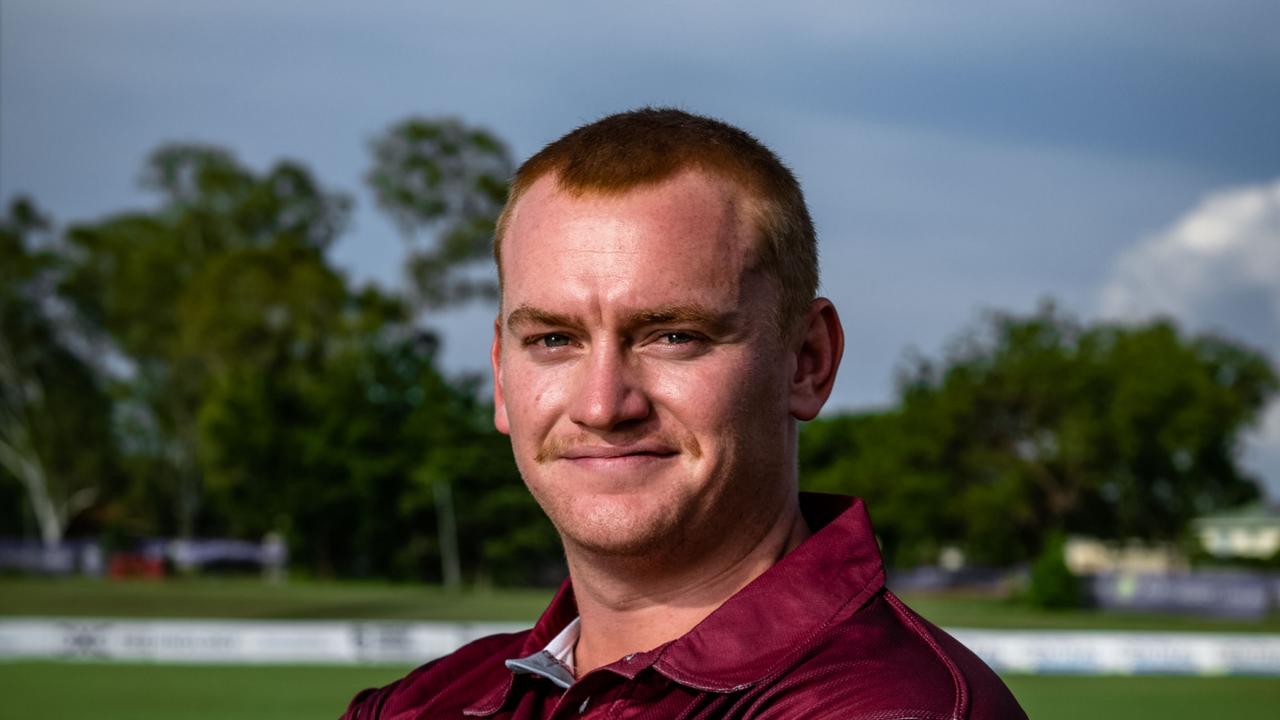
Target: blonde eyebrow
x: 695, y: 315
x: 529, y: 315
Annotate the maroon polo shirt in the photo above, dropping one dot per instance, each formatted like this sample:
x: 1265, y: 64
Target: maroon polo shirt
x: 816, y: 636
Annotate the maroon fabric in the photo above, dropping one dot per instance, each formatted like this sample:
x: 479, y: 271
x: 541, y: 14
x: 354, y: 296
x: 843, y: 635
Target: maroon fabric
x: 816, y: 636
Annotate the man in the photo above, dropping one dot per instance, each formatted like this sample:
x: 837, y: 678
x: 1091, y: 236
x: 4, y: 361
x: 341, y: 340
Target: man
x: 658, y: 340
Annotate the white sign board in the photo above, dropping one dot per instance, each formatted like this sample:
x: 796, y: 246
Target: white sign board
x: 344, y: 642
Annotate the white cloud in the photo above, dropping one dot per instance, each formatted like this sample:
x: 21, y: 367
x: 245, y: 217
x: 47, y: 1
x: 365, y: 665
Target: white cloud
x: 1217, y: 267
x: 1212, y: 267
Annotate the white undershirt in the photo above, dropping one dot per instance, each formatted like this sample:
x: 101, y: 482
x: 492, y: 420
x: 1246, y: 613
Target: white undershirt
x: 562, y: 646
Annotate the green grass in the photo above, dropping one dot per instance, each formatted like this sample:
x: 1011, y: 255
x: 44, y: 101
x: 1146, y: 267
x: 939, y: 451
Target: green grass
x: 976, y: 611
x: 252, y: 598
x: 142, y: 692
x: 1130, y: 698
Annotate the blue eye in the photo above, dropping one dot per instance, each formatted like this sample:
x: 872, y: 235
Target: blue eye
x: 554, y: 340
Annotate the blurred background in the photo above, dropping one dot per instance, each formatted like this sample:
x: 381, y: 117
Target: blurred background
x: 246, y: 300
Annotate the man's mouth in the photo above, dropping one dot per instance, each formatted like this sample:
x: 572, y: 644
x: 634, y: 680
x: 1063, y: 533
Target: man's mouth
x: 608, y: 452
x: 635, y: 450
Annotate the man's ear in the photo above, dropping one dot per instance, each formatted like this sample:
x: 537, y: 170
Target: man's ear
x: 818, y: 347
x: 499, y: 401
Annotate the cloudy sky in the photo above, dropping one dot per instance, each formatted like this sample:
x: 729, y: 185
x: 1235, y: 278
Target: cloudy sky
x: 1121, y: 158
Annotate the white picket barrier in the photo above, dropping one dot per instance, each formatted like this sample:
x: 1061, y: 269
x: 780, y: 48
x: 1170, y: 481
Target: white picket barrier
x: 250, y: 642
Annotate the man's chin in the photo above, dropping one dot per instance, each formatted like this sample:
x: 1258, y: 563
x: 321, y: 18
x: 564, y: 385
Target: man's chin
x: 610, y: 548
x: 619, y: 531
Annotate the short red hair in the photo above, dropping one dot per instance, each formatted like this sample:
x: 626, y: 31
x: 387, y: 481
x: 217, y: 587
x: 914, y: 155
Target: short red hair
x: 643, y: 147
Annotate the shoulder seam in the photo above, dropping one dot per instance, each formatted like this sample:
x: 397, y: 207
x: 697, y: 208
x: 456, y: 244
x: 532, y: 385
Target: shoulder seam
x: 961, y: 709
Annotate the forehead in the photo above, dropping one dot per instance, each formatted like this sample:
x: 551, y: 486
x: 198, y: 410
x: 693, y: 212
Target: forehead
x: 691, y: 232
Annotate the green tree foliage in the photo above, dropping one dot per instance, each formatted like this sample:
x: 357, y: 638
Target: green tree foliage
x: 165, y: 286
x: 443, y: 183
x: 256, y: 391
x: 341, y: 449
x: 1038, y: 424
x: 55, y: 439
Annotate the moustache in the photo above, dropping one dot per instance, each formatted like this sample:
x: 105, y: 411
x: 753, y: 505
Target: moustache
x: 561, y: 446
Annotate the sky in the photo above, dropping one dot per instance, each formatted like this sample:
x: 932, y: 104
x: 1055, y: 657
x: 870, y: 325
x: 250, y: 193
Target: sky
x: 1121, y: 159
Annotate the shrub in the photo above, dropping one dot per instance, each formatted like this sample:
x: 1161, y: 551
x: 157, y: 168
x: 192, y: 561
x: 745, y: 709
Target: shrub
x: 1053, y: 585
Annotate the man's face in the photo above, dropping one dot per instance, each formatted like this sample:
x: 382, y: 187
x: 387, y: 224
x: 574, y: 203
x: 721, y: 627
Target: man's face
x: 636, y: 367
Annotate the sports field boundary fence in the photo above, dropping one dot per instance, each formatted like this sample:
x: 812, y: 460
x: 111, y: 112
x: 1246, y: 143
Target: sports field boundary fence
x: 250, y: 642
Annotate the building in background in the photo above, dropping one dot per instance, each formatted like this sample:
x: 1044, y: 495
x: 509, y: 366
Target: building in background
x: 1251, y: 532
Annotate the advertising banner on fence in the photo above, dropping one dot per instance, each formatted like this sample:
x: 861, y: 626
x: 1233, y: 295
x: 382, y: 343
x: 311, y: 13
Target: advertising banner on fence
x: 1124, y: 653
x: 237, y: 642
x: 265, y: 642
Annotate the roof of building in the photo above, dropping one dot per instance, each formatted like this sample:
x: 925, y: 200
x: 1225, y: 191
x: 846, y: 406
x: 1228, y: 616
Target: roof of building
x: 1260, y: 513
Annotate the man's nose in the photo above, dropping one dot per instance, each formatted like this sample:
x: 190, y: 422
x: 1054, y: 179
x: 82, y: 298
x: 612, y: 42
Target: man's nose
x: 608, y: 392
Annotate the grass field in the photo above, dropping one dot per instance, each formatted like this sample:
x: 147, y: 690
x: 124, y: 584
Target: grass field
x: 142, y: 692
x: 251, y: 598
x: 54, y: 691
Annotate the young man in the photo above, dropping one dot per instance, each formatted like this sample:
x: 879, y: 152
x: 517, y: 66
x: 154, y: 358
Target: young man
x: 658, y: 341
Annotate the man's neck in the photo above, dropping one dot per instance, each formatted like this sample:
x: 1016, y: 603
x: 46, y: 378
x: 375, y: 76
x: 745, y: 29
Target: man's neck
x: 628, y: 607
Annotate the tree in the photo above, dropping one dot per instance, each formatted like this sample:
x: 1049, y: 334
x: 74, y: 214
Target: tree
x: 313, y: 443
x: 54, y: 414
x: 443, y: 183
x: 1038, y: 424
x: 244, y: 386
x: 142, y: 280
x: 346, y: 451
